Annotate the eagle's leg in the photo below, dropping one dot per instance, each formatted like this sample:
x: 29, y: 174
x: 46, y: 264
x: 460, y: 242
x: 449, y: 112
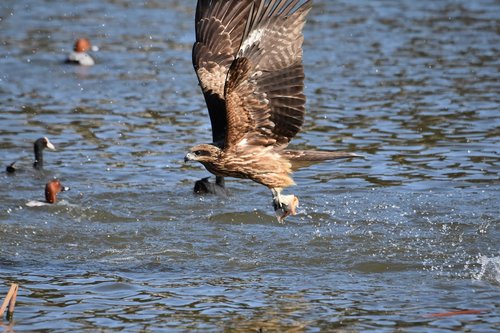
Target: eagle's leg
x: 284, y: 205
x: 204, y: 186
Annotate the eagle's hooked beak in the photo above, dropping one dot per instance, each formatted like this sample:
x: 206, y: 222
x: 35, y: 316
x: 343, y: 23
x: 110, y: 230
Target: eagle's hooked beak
x: 189, y: 157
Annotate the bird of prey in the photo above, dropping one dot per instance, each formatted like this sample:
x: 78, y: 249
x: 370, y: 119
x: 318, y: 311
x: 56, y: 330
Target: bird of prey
x: 248, y: 59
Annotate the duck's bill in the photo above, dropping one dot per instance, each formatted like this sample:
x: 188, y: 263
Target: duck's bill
x: 50, y: 145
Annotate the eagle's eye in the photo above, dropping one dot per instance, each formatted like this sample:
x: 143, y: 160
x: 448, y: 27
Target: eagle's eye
x: 197, y: 152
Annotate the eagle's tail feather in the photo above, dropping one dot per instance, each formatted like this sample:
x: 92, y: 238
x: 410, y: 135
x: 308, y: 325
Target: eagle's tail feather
x: 303, y: 158
x: 317, y: 155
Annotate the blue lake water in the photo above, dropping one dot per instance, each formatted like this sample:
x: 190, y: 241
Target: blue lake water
x: 380, y: 244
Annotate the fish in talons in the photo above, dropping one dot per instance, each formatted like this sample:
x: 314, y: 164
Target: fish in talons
x: 284, y: 205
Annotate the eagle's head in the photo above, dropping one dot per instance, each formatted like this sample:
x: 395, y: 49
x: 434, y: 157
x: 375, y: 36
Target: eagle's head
x: 204, y: 153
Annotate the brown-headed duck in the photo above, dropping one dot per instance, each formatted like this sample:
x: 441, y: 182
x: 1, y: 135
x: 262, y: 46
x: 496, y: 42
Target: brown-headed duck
x: 52, y: 188
x: 79, y: 55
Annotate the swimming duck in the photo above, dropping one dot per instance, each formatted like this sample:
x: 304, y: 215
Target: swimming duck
x: 204, y: 186
x: 79, y: 55
x: 39, y: 145
x: 52, y: 188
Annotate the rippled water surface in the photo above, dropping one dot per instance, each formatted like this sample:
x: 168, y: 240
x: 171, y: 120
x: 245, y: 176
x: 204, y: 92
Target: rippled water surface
x: 389, y: 243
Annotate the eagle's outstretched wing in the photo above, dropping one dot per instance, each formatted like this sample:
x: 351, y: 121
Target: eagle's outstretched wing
x: 219, y: 26
x: 264, y: 95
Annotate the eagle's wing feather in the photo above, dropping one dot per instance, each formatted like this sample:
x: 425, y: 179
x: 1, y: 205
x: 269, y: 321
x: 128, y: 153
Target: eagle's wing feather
x: 265, y: 102
x: 219, y: 26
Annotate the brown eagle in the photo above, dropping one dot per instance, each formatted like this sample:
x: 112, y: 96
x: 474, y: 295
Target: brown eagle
x: 248, y: 59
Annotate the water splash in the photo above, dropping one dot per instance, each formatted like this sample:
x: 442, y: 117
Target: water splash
x: 490, y: 270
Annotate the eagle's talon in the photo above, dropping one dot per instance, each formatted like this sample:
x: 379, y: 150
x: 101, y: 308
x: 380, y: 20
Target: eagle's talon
x: 277, y: 205
x: 285, y: 205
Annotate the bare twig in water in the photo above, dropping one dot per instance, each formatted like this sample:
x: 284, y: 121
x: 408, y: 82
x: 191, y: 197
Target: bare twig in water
x: 10, y: 301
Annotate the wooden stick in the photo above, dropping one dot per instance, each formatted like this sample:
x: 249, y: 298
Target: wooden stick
x: 12, y: 303
x: 10, y: 300
x: 5, y: 303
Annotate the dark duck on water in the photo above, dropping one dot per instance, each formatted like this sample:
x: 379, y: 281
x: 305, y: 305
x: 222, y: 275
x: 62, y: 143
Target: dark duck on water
x: 38, y: 147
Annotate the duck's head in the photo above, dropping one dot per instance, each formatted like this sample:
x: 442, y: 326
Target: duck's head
x: 39, y: 146
x: 52, y: 188
x: 43, y: 143
x: 82, y: 45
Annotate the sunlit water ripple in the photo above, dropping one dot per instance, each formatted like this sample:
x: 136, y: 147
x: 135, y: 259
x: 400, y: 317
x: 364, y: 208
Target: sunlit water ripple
x: 380, y: 243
